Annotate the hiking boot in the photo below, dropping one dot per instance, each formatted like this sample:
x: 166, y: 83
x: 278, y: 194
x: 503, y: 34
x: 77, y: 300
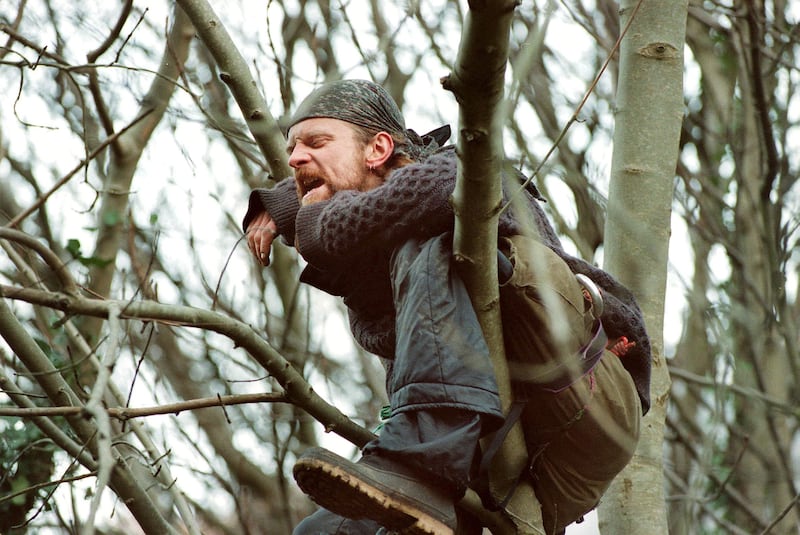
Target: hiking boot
x: 375, y: 488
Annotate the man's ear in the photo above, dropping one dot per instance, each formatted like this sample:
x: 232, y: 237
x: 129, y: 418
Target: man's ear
x: 379, y: 150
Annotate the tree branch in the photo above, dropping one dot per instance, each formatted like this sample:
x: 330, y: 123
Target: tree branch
x: 83, y: 163
x: 298, y: 391
x: 127, y: 413
x: 477, y: 82
x: 236, y: 74
x: 123, y: 481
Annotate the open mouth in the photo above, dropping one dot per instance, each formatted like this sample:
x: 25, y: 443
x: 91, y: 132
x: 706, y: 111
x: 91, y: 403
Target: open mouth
x: 309, y: 184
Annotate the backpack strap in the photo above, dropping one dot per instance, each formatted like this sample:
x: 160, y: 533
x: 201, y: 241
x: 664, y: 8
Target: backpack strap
x: 482, y: 483
x: 566, y: 374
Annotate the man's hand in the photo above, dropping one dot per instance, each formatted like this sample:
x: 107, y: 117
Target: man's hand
x: 260, y: 234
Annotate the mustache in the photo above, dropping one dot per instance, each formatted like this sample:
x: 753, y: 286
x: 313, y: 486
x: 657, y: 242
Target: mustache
x: 307, y: 175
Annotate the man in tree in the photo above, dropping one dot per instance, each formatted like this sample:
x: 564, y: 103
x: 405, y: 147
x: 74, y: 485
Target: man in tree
x: 368, y: 208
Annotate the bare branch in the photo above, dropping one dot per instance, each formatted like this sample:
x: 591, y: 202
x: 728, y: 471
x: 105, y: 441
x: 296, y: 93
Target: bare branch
x: 127, y: 413
x: 68, y: 284
x: 60, y: 393
x: 66, y: 178
x: 236, y: 74
x: 478, y: 84
x: 298, y: 391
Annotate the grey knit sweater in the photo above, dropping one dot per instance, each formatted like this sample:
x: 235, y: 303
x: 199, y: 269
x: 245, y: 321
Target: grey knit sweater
x: 348, y: 240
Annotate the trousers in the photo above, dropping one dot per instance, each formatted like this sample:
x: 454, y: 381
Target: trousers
x: 443, y: 392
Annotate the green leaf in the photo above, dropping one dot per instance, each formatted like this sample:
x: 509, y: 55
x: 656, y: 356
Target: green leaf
x: 93, y: 261
x: 74, y: 248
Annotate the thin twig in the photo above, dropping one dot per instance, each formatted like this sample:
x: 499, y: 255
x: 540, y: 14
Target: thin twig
x: 782, y: 514
x: 577, y: 111
x: 44, y: 485
x: 66, y: 178
x: 105, y: 457
x: 746, y: 392
x: 112, y: 36
x: 127, y: 413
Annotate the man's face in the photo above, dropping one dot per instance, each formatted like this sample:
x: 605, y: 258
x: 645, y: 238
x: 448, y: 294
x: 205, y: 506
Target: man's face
x: 327, y: 157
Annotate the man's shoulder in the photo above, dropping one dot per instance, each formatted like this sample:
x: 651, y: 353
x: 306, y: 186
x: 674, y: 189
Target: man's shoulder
x: 448, y: 152
x: 441, y: 162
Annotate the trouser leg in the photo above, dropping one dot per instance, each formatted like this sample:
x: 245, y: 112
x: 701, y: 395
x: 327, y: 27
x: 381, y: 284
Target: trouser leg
x: 442, y: 387
x: 324, y: 522
x: 440, y: 443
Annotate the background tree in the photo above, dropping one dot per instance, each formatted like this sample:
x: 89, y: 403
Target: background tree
x: 732, y: 423
x: 124, y: 154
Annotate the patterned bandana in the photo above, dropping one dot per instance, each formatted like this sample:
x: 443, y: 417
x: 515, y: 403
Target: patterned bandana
x: 364, y: 103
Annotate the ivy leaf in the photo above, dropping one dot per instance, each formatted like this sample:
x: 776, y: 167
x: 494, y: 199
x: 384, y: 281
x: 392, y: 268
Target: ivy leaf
x: 74, y: 248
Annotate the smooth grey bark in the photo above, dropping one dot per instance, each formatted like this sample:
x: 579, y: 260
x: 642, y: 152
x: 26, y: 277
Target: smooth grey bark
x: 648, y: 123
x: 477, y: 82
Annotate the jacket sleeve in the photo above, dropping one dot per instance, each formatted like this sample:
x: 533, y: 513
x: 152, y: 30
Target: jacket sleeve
x: 280, y: 202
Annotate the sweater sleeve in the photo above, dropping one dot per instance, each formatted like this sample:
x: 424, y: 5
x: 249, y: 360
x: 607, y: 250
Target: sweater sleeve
x: 280, y: 202
x: 414, y: 201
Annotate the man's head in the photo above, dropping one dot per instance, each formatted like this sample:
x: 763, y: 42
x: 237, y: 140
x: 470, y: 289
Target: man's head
x: 365, y: 105
x: 347, y: 134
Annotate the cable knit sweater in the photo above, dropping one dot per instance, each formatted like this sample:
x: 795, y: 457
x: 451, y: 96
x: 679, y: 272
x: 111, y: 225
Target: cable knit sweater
x: 348, y: 240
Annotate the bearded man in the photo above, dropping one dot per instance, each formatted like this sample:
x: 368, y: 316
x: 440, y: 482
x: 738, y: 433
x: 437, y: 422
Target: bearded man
x: 369, y: 210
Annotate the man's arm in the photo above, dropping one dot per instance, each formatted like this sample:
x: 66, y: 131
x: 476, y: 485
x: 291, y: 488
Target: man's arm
x: 270, y: 212
x: 413, y: 202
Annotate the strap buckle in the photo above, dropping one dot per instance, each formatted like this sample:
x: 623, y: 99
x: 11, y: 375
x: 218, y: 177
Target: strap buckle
x: 593, y: 291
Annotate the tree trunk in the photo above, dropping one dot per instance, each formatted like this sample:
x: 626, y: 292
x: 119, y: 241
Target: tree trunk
x: 648, y: 122
x: 126, y: 153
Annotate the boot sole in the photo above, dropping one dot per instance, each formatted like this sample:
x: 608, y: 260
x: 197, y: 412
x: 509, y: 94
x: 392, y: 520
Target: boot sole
x: 343, y: 493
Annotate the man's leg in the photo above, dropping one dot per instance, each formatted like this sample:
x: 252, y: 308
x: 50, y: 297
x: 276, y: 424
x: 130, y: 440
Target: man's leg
x: 324, y: 522
x: 443, y: 396
x: 442, y: 388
